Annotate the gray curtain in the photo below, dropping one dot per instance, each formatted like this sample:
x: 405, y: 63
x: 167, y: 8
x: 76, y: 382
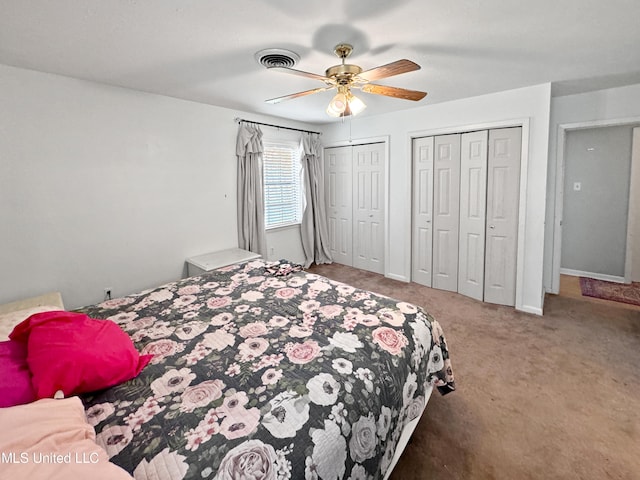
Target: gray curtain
x: 315, y: 239
x: 251, y: 233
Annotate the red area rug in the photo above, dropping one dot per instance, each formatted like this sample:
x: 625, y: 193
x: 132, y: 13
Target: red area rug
x: 617, y: 292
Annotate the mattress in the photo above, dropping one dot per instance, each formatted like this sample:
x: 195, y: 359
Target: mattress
x: 264, y: 371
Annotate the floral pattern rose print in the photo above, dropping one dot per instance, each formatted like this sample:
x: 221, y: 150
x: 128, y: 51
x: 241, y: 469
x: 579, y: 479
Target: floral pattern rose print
x: 172, y: 381
x: 98, y: 413
x: 114, y: 439
x: 263, y: 371
x: 323, y: 389
x: 161, y: 349
x: 363, y: 441
x: 288, y: 412
x: 389, y: 339
x: 201, y: 395
x: 251, y: 460
x: 329, y: 451
x: 302, y: 353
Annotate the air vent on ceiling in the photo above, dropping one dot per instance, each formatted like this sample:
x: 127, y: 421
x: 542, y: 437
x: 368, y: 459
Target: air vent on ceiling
x: 277, y: 57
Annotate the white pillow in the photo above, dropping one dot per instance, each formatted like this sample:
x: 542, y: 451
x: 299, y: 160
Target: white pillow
x: 11, y: 319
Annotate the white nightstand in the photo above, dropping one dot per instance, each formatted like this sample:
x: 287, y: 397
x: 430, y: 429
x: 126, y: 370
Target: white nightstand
x: 210, y: 261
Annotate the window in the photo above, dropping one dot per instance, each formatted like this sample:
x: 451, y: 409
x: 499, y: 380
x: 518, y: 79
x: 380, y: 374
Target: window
x: 282, y: 190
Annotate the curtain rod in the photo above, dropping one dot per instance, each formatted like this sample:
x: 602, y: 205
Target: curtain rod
x: 239, y: 120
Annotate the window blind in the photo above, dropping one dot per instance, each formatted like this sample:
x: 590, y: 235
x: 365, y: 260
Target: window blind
x: 282, y: 190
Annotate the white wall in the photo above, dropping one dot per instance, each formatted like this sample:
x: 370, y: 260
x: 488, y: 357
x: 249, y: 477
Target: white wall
x: 285, y: 243
x: 611, y: 106
x: 108, y: 187
x: 532, y: 103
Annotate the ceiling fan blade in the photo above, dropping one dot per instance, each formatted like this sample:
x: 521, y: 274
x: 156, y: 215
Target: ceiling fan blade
x: 299, y: 94
x: 396, y: 92
x: 300, y: 73
x: 389, y: 70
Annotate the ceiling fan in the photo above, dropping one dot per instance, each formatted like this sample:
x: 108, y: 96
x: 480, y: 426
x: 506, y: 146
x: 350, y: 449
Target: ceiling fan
x: 345, y: 77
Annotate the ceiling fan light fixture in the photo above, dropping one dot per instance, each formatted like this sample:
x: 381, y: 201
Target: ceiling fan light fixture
x: 355, y: 104
x: 345, y: 104
x: 337, y: 105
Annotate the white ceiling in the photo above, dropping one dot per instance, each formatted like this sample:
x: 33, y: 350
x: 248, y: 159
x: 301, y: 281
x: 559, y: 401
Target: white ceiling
x: 203, y: 50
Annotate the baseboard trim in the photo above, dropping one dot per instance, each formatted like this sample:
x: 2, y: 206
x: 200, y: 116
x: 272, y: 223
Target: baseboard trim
x: 597, y: 276
x: 530, y: 309
x: 395, y: 276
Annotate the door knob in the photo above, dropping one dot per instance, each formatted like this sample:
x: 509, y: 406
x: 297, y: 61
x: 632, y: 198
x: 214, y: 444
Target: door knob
x: 492, y: 227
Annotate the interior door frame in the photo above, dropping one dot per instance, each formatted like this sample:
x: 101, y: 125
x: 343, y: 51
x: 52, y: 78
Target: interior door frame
x: 563, y: 129
x: 363, y: 141
x: 522, y: 207
x: 630, y: 274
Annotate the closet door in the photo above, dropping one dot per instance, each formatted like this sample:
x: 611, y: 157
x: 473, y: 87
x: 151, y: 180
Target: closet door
x: 473, y: 196
x: 338, y: 194
x: 368, y: 206
x: 422, y: 210
x: 446, y: 210
x: 503, y: 179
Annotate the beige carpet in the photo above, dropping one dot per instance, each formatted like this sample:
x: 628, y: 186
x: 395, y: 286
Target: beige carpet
x: 551, y: 397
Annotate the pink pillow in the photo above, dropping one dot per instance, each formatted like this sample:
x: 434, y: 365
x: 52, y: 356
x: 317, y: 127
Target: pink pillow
x: 52, y: 440
x: 76, y: 354
x: 15, y: 379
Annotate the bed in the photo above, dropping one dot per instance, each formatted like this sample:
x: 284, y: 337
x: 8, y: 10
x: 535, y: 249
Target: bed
x: 264, y: 371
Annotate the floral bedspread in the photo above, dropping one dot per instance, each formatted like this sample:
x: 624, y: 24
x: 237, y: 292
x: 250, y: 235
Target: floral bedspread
x: 260, y: 372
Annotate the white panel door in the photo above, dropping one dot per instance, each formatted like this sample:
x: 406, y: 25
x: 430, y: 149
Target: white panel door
x: 446, y: 210
x: 368, y: 206
x: 503, y: 179
x: 422, y: 207
x: 473, y: 199
x: 338, y: 194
